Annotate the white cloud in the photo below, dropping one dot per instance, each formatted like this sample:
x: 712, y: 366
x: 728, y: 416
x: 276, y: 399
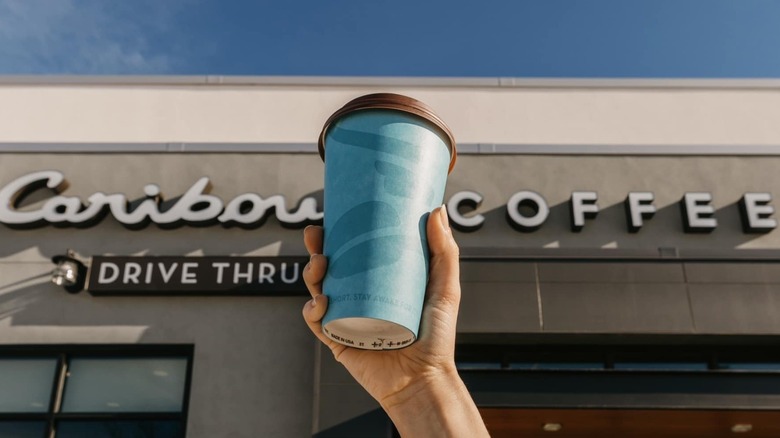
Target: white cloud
x: 87, y: 36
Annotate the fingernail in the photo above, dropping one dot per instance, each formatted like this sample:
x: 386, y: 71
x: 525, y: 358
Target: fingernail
x: 445, y: 220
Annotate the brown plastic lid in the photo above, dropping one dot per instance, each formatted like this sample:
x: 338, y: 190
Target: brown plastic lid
x: 393, y: 102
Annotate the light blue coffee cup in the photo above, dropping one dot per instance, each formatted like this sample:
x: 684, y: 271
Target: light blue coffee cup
x: 387, y: 158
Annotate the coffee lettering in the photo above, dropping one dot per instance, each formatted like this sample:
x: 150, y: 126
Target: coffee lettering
x: 529, y: 200
x: 306, y: 209
x: 195, y: 207
x: 582, y: 205
x: 755, y: 211
x: 698, y: 214
x: 526, y: 211
x: 639, y: 206
x: 465, y: 200
x: 14, y: 192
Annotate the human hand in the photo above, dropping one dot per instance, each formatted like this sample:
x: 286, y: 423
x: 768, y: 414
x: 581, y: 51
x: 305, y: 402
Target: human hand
x: 392, y: 376
x: 418, y: 386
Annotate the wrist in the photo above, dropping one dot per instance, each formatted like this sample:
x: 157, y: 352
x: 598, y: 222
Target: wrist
x: 435, y: 405
x: 425, y: 388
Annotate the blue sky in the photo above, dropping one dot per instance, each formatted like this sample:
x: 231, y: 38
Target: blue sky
x: 517, y: 38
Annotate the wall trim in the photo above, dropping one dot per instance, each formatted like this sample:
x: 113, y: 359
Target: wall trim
x: 362, y: 81
x: 464, y: 148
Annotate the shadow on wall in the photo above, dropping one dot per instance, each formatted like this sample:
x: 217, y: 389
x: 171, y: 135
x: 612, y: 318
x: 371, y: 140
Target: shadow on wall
x: 41, y: 302
x: 54, y: 316
x: 29, y: 299
x: 15, y: 298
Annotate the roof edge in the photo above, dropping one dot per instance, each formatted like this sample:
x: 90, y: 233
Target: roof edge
x: 463, y: 148
x: 405, y: 81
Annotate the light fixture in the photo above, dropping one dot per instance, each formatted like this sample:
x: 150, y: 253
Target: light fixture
x: 69, y: 273
x: 552, y: 427
x: 742, y: 428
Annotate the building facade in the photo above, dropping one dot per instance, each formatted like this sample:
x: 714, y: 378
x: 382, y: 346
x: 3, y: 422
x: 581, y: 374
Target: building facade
x: 619, y: 250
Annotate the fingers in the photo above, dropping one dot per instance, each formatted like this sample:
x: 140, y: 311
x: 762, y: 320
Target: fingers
x: 444, y: 282
x: 313, y: 311
x: 312, y: 238
x: 314, y: 272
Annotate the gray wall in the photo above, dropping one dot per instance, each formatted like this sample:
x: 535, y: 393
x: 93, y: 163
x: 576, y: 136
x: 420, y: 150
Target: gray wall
x: 555, y: 177
x: 664, y: 297
x: 256, y: 369
x: 254, y: 358
x: 654, y: 294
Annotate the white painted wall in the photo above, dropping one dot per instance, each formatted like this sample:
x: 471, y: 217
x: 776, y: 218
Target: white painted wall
x: 477, y: 114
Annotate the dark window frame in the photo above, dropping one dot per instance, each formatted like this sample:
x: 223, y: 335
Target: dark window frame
x: 62, y: 353
x: 505, y: 386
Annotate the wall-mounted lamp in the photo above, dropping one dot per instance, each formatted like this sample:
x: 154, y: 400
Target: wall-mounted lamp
x: 70, y: 273
x: 742, y: 428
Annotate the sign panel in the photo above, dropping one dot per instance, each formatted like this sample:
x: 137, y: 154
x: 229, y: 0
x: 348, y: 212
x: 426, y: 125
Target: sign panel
x: 222, y: 275
x: 526, y: 210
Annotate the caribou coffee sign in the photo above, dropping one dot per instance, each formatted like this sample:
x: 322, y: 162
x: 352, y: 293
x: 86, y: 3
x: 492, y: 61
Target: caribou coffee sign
x: 526, y: 210
x: 195, y: 207
x: 208, y: 275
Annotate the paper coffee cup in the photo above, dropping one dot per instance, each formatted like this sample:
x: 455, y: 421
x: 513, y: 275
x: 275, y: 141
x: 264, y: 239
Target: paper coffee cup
x: 387, y: 158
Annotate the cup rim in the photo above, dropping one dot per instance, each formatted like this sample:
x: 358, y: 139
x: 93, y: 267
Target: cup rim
x: 396, y: 102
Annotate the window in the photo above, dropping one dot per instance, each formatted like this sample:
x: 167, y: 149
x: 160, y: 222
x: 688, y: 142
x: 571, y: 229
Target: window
x: 735, y: 354
x: 94, y: 391
x: 625, y: 372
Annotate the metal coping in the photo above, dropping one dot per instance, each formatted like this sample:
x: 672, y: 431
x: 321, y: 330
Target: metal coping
x: 619, y: 255
x: 463, y: 148
x: 363, y: 81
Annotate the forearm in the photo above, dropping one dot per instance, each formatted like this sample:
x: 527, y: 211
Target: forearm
x: 440, y: 406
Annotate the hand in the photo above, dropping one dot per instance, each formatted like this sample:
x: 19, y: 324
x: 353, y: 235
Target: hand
x: 421, y: 377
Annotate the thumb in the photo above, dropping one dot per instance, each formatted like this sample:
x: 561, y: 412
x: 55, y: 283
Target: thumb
x: 444, y: 281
